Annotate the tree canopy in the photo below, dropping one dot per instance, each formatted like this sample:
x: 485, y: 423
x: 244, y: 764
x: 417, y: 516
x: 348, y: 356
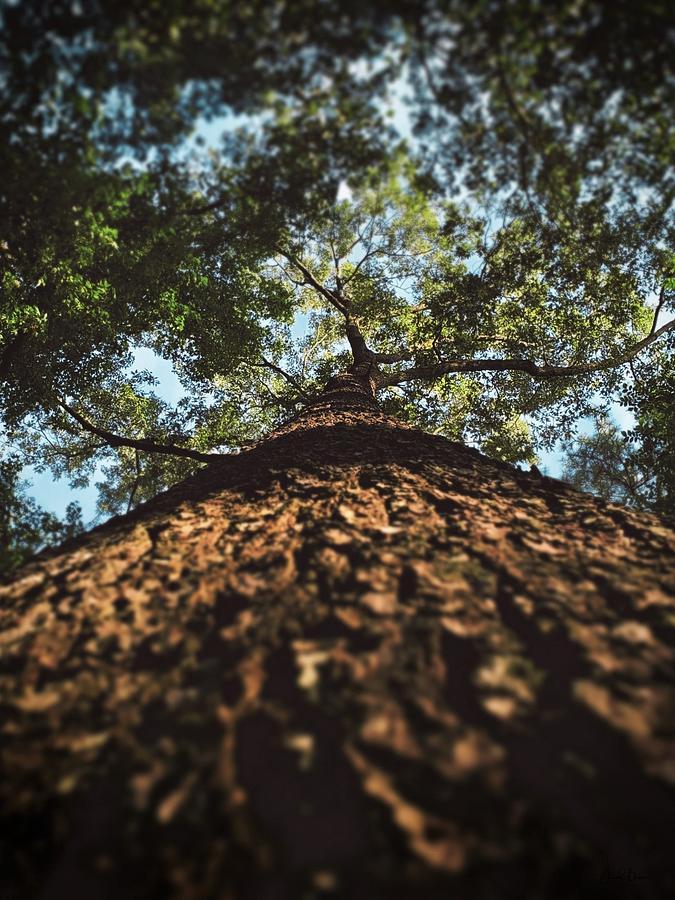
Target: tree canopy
x: 482, y: 192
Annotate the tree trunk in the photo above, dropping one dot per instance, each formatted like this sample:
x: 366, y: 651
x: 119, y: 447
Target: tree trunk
x: 355, y: 660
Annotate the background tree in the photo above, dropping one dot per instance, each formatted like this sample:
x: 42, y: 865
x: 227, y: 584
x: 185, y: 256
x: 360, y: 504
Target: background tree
x: 650, y: 397
x: 601, y: 462
x: 24, y: 527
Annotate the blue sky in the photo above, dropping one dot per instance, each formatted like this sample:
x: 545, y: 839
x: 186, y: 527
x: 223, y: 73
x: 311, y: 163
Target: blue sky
x: 55, y: 494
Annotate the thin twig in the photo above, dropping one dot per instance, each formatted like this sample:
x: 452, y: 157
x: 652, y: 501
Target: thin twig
x: 661, y: 301
x: 137, y: 481
x: 333, y: 299
x: 289, y: 378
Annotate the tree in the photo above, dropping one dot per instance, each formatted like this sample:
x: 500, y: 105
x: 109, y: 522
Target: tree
x: 25, y: 528
x: 650, y: 396
x: 600, y: 462
x: 605, y: 463
x: 353, y: 657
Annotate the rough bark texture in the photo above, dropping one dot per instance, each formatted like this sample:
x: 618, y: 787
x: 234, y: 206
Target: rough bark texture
x: 355, y: 660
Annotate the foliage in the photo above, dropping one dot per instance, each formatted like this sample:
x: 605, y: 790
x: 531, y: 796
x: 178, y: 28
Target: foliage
x: 651, y: 397
x: 25, y: 528
x: 529, y: 219
x: 602, y: 463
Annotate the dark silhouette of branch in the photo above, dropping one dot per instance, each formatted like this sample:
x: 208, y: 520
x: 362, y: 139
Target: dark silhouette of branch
x: 336, y: 265
x: 136, y: 484
x: 388, y: 358
x: 207, y: 207
x: 370, y: 253
x: 429, y: 373
x: 116, y: 440
x: 662, y: 300
x: 289, y: 378
x: 10, y: 352
x: 296, y: 281
x: 336, y: 301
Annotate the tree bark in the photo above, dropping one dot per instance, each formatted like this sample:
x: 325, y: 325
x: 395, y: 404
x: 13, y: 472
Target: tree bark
x: 355, y: 660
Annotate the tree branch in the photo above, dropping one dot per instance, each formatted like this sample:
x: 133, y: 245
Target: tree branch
x: 332, y: 298
x: 336, y: 265
x: 287, y: 274
x: 429, y: 373
x: 116, y: 440
x: 207, y: 207
x: 369, y: 255
x: 289, y: 378
x: 403, y: 356
x: 661, y: 301
x: 136, y: 484
x: 10, y: 352
x: 359, y: 348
